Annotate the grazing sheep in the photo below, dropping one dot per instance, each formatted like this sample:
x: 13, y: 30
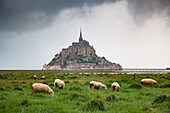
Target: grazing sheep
x: 35, y: 77
x: 97, y: 85
x: 59, y: 83
x: 148, y: 82
x: 39, y: 87
x: 115, y: 86
x: 43, y: 77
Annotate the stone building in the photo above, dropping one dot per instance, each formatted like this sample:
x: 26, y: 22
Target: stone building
x: 80, y: 56
x: 80, y: 48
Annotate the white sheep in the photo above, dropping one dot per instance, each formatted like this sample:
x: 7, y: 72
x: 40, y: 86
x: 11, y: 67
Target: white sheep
x: 148, y: 81
x: 59, y: 83
x: 97, y: 85
x: 115, y: 86
x: 35, y: 77
x: 43, y: 77
x: 39, y: 87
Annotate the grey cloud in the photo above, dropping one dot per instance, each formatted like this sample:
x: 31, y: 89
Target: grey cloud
x: 26, y: 15
x: 30, y: 15
x: 143, y: 10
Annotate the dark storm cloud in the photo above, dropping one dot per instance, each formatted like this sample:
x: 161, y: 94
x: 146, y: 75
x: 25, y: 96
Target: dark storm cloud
x: 143, y: 10
x: 29, y: 15
x: 25, y: 15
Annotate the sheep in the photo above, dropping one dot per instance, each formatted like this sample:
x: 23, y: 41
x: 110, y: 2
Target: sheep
x: 148, y: 82
x: 35, y: 77
x: 43, y: 77
x: 39, y: 87
x: 97, y: 85
x: 59, y: 83
x: 115, y: 86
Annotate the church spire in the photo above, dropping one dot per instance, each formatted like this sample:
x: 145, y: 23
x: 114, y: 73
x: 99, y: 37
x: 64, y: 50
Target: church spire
x: 80, y: 38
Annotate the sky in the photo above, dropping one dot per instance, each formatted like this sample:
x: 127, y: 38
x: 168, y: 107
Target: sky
x: 133, y: 33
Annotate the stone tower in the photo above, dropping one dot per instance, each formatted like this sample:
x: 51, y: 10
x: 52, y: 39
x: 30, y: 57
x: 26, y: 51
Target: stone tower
x: 80, y: 38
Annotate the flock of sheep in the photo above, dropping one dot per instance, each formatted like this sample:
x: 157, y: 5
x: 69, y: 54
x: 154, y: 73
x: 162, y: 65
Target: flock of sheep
x: 39, y: 87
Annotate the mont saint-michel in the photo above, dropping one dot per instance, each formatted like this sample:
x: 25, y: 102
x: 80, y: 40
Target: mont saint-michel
x: 80, y: 56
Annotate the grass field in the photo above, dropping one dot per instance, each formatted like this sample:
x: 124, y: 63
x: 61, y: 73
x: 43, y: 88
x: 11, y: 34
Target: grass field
x: 15, y: 89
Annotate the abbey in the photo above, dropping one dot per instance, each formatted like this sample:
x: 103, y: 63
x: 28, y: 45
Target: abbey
x: 80, y: 56
x: 81, y: 48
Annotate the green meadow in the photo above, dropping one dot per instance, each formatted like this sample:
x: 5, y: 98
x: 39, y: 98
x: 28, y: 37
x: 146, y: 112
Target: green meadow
x: 15, y: 89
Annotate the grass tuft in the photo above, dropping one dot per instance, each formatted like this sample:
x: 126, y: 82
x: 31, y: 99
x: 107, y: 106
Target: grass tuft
x: 76, y: 88
x: 160, y: 99
x: 110, y: 97
x: 94, y: 104
x: 67, y: 81
x: 146, y: 109
x: 2, y: 89
x: 2, y: 98
x: 165, y: 86
x: 25, y: 102
x: 135, y: 86
x: 77, y: 95
x: 18, y: 88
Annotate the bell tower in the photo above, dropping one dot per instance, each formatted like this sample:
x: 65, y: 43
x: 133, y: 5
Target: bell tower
x: 80, y: 38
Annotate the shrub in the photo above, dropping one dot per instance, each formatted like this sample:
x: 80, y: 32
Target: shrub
x: 135, y: 86
x: 110, y: 97
x: 160, y: 99
x: 94, y: 104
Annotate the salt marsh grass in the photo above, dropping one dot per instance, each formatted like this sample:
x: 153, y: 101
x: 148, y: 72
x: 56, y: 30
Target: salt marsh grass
x: 77, y: 97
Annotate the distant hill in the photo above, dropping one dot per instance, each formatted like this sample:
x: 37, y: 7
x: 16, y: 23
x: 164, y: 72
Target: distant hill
x: 80, y: 56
